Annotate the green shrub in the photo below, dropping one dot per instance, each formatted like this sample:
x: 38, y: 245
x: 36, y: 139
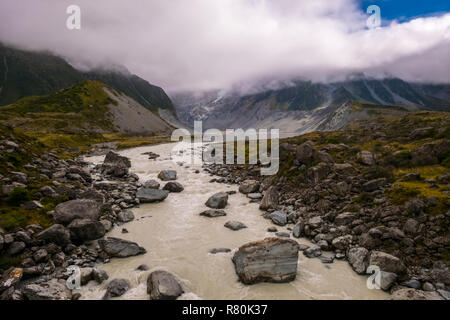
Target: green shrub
x: 19, y: 196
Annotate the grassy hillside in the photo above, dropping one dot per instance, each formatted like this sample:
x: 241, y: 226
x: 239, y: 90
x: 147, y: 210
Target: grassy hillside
x: 70, y: 120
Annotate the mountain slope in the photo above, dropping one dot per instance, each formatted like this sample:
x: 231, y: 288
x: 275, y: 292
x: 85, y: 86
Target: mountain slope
x: 25, y: 73
x: 303, y: 105
x: 90, y: 106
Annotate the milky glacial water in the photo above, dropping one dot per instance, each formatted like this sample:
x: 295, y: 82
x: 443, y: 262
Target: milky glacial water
x: 178, y: 240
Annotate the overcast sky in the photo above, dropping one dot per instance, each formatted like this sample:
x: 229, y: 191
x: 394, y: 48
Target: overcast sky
x: 209, y: 44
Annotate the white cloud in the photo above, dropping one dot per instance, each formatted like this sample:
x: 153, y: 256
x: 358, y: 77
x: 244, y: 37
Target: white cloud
x: 204, y: 44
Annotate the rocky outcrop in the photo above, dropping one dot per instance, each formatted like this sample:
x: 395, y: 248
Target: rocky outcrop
x: 269, y: 260
x: 120, y: 248
x: 161, y: 285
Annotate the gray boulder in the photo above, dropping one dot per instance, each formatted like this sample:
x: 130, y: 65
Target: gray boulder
x: 367, y: 158
x: 213, y: 213
x: 270, y: 199
x: 344, y: 218
x: 306, y: 153
x: 120, y: 248
x: 116, y: 288
x: 147, y: 195
x: 279, y: 218
x: 358, y: 259
x: 387, y: 279
x: 217, y: 201
x: 99, y: 275
x: 167, y: 175
x: 57, y: 234
x: 125, y: 216
x: 343, y: 242
x: 15, y: 248
x: 173, y: 186
x: 113, y: 158
x: 249, y: 186
x: 298, y: 228
x: 68, y: 211
x: 161, y: 285
x: 269, y: 260
x: 51, y: 290
x: 82, y: 230
x: 387, y: 262
x: 235, y: 225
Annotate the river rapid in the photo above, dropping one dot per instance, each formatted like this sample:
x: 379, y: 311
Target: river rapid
x: 178, y: 240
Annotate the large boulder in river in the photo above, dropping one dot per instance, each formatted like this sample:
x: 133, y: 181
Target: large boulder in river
x: 173, y: 186
x: 82, y: 230
x: 120, y: 248
x: 269, y: 260
x: 213, y: 213
x: 161, y: 285
x: 68, y: 211
x: 51, y: 290
x: 57, y: 234
x: 116, y: 288
x: 234, y: 225
x: 358, y: 259
x: 387, y: 262
x: 270, y: 199
x: 167, y: 175
x: 249, y: 186
x: 147, y: 195
x: 217, y: 201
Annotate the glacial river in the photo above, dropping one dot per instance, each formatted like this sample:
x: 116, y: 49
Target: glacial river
x: 178, y: 240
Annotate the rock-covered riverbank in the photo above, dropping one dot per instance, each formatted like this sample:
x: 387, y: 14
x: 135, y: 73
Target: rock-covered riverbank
x: 326, y: 207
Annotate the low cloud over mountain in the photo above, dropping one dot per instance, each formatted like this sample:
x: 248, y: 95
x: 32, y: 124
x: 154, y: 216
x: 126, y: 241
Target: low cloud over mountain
x: 203, y: 44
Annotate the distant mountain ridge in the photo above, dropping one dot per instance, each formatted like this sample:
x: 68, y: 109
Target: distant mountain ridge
x: 27, y: 73
x: 298, y: 105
